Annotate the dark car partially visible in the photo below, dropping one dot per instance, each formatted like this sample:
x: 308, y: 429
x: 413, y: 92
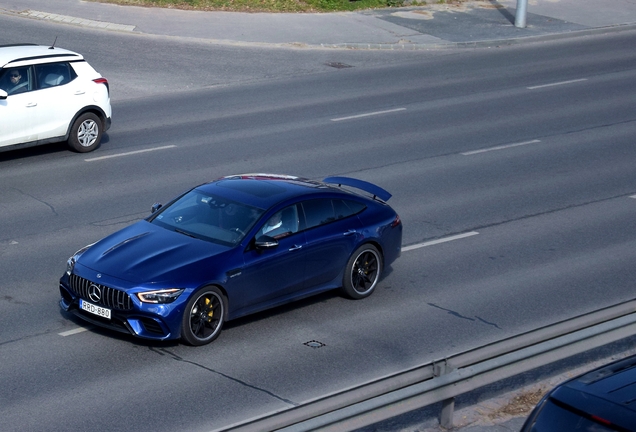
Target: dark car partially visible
x: 599, y: 401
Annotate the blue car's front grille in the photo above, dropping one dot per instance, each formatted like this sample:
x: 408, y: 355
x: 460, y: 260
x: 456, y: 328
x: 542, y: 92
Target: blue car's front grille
x: 108, y: 297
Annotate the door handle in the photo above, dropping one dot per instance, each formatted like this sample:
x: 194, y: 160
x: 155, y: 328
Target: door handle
x: 295, y: 247
x: 350, y: 232
x: 79, y: 92
x: 31, y: 104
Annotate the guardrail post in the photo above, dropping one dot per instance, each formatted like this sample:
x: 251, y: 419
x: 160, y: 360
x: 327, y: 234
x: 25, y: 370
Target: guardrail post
x: 446, y: 415
x: 448, y: 405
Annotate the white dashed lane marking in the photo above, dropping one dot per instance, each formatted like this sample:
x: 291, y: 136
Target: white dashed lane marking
x: 556, y: 84
x: 75, y: 331
x: 438, y: 241
x: 128, y: 153
x: 368, y: 114
x: 502, y: 147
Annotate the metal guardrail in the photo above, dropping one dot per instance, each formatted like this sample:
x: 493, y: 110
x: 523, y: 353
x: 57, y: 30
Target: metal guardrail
x: 442, y: 380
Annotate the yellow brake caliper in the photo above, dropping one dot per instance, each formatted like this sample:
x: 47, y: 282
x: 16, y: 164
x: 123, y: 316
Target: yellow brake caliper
x: 211, y: 311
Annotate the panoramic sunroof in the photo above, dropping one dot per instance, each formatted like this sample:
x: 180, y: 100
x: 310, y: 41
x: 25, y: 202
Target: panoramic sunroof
x: 258, y: 188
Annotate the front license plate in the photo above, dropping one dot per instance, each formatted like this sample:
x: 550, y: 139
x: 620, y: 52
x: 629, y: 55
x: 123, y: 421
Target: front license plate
x: 94, y: 309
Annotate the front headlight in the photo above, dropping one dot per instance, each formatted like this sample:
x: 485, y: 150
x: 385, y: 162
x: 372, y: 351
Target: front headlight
x: 70, y: 263
x: 160, y: 296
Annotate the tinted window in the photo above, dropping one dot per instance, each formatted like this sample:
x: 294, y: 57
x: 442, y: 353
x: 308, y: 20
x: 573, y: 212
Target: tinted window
x: 344, y: 209
x: 54, y: 74
x: 318, y: 212
x: 322, y: 211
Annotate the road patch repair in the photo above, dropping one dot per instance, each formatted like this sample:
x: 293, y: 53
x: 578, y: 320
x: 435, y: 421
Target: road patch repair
x: 473, y: 21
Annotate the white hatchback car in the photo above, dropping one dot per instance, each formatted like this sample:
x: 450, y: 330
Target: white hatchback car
x: 50, y: 94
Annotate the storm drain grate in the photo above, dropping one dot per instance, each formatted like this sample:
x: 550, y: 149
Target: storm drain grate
x: 338, y: 65
x: 314, y: 344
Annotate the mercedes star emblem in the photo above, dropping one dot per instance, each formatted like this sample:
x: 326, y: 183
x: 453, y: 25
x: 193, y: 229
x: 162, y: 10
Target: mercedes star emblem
x: 94, y: 293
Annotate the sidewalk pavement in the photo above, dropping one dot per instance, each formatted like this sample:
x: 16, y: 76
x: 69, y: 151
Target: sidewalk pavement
x: 471, y: 23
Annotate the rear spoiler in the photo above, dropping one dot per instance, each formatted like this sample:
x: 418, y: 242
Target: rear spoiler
x: 374, y: 190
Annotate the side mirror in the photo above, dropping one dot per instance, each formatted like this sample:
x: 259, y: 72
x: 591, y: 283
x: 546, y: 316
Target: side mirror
x: 3, y: 94
x: 265, y: 242
x: 155, y: 207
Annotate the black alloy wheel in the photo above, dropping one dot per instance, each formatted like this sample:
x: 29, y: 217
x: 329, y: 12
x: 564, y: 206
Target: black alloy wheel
x: 362, y: 272
x: 203, y: 317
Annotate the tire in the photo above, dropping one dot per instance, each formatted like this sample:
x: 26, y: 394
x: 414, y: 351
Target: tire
x: 362, y: 272
x: 203, y: 317
x: 86, y: 133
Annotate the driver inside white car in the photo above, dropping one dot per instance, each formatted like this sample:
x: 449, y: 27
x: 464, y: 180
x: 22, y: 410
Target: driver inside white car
x: 17, y: 83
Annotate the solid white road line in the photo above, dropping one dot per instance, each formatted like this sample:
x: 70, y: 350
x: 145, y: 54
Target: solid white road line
x: 438, y: 241
x: 75, y: 331
x: 633, y: 196
x: 368, y: 114
x: 500, y: 147
x: 129, y: 153
x: 556, y: 84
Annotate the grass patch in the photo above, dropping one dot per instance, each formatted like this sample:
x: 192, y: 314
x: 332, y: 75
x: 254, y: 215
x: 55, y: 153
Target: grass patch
x: 267, y: 5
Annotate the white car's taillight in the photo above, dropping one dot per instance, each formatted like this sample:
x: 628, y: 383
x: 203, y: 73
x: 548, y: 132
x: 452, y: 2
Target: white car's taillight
x: 102, y: 80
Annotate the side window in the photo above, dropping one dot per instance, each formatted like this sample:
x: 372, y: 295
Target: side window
x: 281, y: 224
x: 318, y: 212
x: 345, y: 209
x: 54, y: 74
x: 16, y: 80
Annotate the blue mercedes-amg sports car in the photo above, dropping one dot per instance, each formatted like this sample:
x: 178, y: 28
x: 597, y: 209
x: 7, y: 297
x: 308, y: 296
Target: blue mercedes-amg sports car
x: 232, y: 247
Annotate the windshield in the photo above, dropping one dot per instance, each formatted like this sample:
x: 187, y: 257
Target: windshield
x: 208, y: 217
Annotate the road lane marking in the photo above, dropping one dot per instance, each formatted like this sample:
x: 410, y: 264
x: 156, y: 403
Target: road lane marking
x: 633, y: 196
x: 502, y: 147
x: 556, y: 84
x: 128, y: 153
x: 75, y: 331
x: 368, y: 114
x: 438, y: 241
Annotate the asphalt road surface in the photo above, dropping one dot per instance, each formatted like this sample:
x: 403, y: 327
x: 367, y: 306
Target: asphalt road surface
x: 524, y: 153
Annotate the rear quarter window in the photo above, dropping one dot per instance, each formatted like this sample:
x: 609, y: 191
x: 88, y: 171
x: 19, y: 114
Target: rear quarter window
x: 54, y: 74
x: 323, y: 211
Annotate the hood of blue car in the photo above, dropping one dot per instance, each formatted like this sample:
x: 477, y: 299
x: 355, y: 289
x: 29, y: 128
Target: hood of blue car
x: 145, y: 253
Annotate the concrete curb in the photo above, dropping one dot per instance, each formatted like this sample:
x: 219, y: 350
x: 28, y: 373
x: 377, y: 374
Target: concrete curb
x: 65, y: 19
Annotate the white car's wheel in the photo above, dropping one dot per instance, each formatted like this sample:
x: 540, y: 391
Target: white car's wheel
x: 86, y: 133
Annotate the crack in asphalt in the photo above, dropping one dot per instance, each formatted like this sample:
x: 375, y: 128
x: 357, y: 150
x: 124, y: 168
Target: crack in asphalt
x: 163, y: 351
x: 487, y: 322
x: 458, y: 315
x: 38, y: 200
